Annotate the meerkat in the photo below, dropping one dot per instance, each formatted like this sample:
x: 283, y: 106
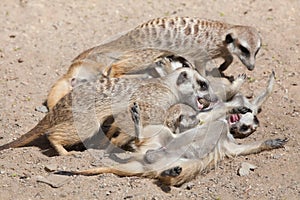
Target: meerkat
x: 198, y: 40
x: 141, y: 63
x: 181, y: 117
x: 182, y: 157
x: 78, y: 116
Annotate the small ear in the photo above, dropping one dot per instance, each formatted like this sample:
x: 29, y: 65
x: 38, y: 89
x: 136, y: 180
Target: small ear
x: 228, y: 38
x: 73, y: 82
x: 183, y: 77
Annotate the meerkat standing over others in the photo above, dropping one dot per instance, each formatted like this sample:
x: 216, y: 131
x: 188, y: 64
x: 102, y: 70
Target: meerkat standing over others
x: 196, y: 39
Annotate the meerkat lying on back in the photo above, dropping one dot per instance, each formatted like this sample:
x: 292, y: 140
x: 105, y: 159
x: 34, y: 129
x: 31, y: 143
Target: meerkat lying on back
x: 78, y: 116
x: 198, y: 40
x: 177, y: 159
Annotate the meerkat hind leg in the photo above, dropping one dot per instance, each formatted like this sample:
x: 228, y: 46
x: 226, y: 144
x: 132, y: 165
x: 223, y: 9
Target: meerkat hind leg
x: 56, y: 140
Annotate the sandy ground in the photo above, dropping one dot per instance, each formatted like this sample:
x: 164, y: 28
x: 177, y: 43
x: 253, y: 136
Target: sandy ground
x: 39, y: 38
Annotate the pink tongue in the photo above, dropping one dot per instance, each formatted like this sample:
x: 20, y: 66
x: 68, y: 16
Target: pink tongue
x: 234, y: 118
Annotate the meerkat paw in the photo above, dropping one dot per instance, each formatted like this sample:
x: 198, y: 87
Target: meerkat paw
x: 240, y: 79
x: 173, y: 172
x: 275, y: 143
x: 152, y: 156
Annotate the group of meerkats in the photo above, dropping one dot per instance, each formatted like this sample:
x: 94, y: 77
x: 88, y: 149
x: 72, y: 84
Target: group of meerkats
x: 149, y: 91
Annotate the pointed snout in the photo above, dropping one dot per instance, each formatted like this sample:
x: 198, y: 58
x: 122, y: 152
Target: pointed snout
x: 250, y: 64
x: 250, y: 67
x: 211, y: 97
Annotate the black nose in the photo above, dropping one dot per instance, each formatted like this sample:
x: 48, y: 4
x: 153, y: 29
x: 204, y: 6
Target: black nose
x: 250, y: 67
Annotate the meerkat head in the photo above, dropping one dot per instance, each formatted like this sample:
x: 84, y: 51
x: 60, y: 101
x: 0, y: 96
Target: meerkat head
x: 244, y: 122
x: 193, y: 89
x: 81, y: 72
x: 181, y: 117
x: 244, y: 42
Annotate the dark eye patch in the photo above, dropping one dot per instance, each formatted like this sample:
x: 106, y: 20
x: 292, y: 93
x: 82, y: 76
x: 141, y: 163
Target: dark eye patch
x: 180, y: 59
x: 170, y: 58
x: 202, y: 84
x: 244, y: 50
x: 244, y: 128
x: 256, y: 121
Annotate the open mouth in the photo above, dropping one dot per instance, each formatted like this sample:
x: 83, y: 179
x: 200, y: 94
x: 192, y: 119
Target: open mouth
x: 234, y: 118
x: 203, y: 104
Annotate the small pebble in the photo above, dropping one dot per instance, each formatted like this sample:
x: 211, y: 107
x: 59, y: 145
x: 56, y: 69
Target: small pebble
x: 245, y: 168
x: 189, y: 186
x: 42, y: 109
x: 51, y: 167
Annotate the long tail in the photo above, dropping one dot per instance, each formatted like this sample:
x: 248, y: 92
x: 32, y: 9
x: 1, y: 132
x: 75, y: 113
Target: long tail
x: 30, y: 136
x: 133, y: 168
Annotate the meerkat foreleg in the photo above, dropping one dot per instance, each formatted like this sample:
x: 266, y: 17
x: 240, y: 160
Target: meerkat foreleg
x: 228, y: 60
x: 234, y: 149
x: 135, y: 115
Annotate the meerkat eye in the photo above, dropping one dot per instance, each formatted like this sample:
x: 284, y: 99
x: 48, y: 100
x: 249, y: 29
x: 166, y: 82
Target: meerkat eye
x: 256, y: 121
x: 244, y: 128
x: 170, y: 58
x: 185, y: 64
x: 228, y: 39
x: 183, y: 61
x: 202, y: 84
x: 244, y: 50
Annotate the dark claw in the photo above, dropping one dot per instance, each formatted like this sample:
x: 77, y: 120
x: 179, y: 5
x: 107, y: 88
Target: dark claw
x: 173, y: 172
x: 276, y: 143
x: 243, y: 76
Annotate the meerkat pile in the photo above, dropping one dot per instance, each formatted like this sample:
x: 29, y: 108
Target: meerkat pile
x: 149, y: 91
